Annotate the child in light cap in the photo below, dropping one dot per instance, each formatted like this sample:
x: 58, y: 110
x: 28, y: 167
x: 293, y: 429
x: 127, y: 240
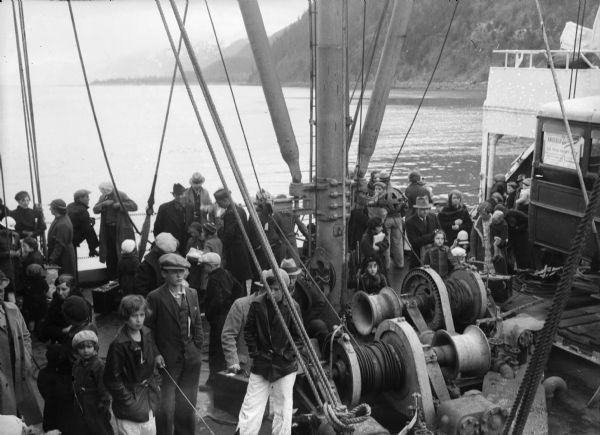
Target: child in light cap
x: 127, y: 267
x: 92, y: 399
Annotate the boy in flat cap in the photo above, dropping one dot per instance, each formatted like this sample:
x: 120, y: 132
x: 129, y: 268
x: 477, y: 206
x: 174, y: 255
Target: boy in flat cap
x: 83, y: 224
x: 177, y: 330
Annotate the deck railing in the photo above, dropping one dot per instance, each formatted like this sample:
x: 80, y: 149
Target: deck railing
x: 531, y: 58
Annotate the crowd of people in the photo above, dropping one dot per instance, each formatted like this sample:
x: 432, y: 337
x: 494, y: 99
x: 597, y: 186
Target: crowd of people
x: 199, y: 263
x: 391, y: 229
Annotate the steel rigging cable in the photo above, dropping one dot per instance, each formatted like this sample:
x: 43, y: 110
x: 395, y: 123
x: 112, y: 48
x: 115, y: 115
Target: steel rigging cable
x: 89, y: 93
x: 150, y: 205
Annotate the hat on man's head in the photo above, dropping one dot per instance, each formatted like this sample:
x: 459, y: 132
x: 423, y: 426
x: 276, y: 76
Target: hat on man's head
x: 462, y: 237
x: 209, y: 228
x: 106, y: 186
x: 9, y: 222
x: 178, y: 189
x: 166, y: 242
x: 458, y: 252
x: 210, y: 258
x: 81, y: 193
x: 289, y: 265
x: 127, y: 246
x: 173, y: 262
x: 58, y: 204
x: 34, y: 270
x: 422, y: 202
x: 271, y: 279
x: 197, y: 178
x: 85, y: 335
x: 222, y: 193
x: 76, y: 309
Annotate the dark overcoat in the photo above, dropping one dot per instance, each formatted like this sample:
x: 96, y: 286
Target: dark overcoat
x: 235, y: 252
x: 124, y: 227
x: 60, y: 245
x: 171, y: 219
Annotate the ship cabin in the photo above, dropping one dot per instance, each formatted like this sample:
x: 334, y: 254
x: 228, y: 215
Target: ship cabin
x: 557, y: 202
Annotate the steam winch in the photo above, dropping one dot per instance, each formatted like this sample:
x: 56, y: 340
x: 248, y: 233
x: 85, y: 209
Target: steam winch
x: 430, y: 302
x: 398, y: 364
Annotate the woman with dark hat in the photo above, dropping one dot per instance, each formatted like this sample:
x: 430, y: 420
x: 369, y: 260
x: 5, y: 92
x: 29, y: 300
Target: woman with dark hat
x: 60, y: 239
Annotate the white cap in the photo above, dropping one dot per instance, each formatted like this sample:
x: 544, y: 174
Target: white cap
x: 459, y: 252
x: 127, y: 246
x: 9, y: 222
x: 166, y: 242
x: 210, y: 258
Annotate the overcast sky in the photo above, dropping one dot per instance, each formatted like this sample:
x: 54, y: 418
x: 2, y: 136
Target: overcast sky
x: 112, y: 30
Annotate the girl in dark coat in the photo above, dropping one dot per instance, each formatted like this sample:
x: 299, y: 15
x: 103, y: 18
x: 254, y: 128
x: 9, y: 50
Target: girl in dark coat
x: 439, y: 257
x: 130, y: 373
x: 92, y: 400
x: 371, y: 280
x: 454, y: 217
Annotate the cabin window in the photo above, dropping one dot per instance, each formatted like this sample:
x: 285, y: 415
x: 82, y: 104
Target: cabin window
x: 594, y: 164
x: 556, y: 150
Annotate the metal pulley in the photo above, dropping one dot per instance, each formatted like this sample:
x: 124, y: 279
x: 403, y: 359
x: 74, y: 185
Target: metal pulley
x: 462, y: 299
x: 468, y: 353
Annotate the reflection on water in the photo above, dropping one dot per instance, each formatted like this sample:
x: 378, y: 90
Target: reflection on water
x: 444, y: 143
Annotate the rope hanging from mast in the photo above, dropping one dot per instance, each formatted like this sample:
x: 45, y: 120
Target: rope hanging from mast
x: 89, y: 93
x: 150, y: 205
x: 437, y: 62
x: 323, y: 384
x: 28, y: 115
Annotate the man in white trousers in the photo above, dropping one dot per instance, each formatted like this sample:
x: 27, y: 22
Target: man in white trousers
x: 274, y: 363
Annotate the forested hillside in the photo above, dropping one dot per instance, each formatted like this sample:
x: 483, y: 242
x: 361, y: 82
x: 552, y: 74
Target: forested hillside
x: 479, y: 27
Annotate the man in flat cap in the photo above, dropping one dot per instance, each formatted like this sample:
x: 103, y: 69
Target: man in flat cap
x: 115, y: 225
x: 222, y: 289
x: 197, y: 200
x: 83, y: 224
x: 60, y: 239
x: 171, y: 218
x: 236, y: 257
x: 177, y: 329
x: 149, y: 275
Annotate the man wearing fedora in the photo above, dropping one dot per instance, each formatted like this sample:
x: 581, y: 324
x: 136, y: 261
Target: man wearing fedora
x: 420, y: 229
x: 197, y: 200
x: 177, y: 330
x: 171, y: 218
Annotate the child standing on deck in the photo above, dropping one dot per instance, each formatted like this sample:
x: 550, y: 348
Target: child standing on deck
x: 127, y: 267
x: 92, y: 400
x: 439, y: 256
x: 130, y: 373
x: 371, y: 280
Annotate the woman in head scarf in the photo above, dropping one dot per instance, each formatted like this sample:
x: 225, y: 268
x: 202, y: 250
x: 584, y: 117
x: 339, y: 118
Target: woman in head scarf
x: 454, y: 217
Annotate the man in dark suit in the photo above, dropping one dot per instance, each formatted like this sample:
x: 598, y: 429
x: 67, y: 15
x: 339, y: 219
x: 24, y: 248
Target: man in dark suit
x: 171, y: 218
x: 177, y: 329
x: 235, y: 253
x: 420, y: 229
x: 196, y: 200
x: 83, y: 224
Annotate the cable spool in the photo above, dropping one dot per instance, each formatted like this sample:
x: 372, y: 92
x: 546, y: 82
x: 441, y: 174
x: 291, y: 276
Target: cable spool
x: 362, y: 369
x: 468, y: 296
x: 468, y: 353
x: 368, y: 311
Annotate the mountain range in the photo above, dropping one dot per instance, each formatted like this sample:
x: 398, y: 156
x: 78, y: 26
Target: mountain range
x: 478, y: 28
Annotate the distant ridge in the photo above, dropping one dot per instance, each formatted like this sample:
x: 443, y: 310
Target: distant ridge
x: 480, y: 26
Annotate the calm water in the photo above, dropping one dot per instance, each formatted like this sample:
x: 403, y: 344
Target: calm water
x: 444, y: 143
